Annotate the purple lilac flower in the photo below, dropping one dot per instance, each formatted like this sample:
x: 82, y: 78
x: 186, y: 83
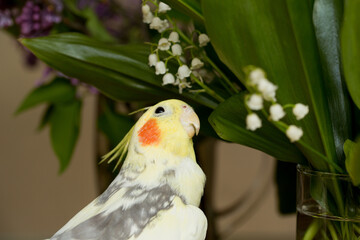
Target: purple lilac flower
x: 5, y: 18
x: 36, y: 20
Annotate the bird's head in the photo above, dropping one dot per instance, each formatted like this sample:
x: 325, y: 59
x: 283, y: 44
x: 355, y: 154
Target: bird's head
x: 165, y: 127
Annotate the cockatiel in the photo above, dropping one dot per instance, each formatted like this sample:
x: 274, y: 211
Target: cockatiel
x: 158, y: 189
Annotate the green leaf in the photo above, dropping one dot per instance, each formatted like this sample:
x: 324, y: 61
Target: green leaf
x: 119, y: 71
x: 229, y: 122
x: 115, y: 126
x: 45, y: 119
x: 64, y: 130
x: 327, y: 18
x: 350, y: 38
x: 352, y: 162
x: 279, y: 37
x: 192, y: 8
x: 59, y: 90
x: 93, y: 24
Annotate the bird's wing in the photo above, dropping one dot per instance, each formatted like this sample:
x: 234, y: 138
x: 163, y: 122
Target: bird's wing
x: 122, y: 215
x: 180, y: 222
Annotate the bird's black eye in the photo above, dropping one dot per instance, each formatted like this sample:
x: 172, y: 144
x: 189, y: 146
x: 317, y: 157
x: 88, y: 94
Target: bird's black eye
x: 159, y: 110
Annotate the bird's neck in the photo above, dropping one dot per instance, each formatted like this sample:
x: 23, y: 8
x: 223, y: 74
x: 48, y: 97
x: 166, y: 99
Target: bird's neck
x: 180, y: 172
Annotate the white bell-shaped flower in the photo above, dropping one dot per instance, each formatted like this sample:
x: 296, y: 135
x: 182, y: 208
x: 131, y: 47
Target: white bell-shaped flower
x: 255, y: 102
x: 196, y: 64
x: 256, y: 75
x: 152, y: 59
x: 183, y: 72
x: 203, y: 40
x: 253, y: 121
x: 168, y: 79
x: 294, y: 133
x: 163, y: 7
x: 155, y: 23
x: 148, y: 18
x: 267, y: 89
x: 145, y: 9
x: 300, y: 111
x: 174, y: 37
x: 276, y: 112
x: 176, y: 49
x: 160, y: 68
x: 164, y: 44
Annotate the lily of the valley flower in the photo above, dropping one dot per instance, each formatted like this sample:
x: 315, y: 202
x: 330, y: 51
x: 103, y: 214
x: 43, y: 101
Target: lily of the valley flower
x: 168, y: 79
x: 267, y: 89
x: 183, y: 72
x: 145, y: 9
x: 253, y: 121
x: 164, y: 44
x: 160, y: 68
x: 256, y: 75
x: 174, y: 37
x: 182, y: 84
x: 152, y: 59
x: 255, y: 102
x: 196, y: 64
x: 294, y: 133
x: 176, y: 49
x: 300, y: 111
x: 276, y: 112
x: 203, y: 40
x: 147, y: 15
x: 163, y: 7
x: 159, y: 25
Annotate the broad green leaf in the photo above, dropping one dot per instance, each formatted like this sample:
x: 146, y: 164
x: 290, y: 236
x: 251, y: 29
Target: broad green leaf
x: 285, y: 177
x: 327, y: 18
x: 350, y: 38
x: 229, y: 122
x: 279, y: 37
x: 192, y: 8
x: 93, y: 24
x: 59, y: 90
x: 64, y: 130
x: 119, y: 71
x: 114, y: 125
x: 45, y: 119
x: 352, y: 162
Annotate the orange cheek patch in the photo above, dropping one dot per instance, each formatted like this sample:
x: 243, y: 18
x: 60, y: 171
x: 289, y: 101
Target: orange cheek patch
x: 149, y: 133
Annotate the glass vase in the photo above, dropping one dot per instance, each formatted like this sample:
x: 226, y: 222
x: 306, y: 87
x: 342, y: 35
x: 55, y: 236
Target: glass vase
x: 328, y: 206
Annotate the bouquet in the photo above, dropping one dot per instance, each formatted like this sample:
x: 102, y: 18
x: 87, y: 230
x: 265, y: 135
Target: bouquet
x: 278, y: 76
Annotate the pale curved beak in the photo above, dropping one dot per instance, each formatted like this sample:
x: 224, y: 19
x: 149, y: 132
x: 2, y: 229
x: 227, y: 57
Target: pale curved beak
x: 190, y: 121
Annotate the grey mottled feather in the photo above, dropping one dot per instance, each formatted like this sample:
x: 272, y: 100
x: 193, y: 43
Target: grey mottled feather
x: 122, y: 224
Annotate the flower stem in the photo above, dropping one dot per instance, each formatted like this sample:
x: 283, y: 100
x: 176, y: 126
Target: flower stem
x: 207, y: 89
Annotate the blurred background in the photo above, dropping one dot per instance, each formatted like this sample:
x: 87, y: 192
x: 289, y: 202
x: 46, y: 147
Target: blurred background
x: 36, y: 201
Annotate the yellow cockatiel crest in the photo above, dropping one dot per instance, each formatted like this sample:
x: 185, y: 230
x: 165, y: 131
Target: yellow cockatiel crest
x: 158, y: 190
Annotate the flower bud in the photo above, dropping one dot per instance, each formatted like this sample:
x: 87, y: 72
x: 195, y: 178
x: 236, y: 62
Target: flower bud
x: 294, y: 133
x: 174, y: 37
x: 255, y: 102
x: 183, y: 72
x: 203, y: 40
x: 196, y: 64
x: 168, y: 79
x: 253, y: 121
x: 176, y: 49
x: 163, y: 7
x: 160, y: 68
x: 152, y: 59
x: 276, y: 112
x: 300, y: 111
